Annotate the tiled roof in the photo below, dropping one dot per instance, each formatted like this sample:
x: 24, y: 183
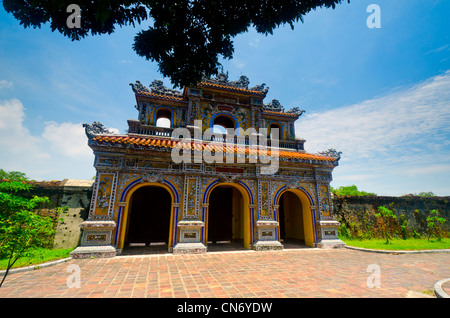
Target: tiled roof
x: 159, y: 96
x: 280, y: 113
x: 151, y: 142
x: 231, y: 88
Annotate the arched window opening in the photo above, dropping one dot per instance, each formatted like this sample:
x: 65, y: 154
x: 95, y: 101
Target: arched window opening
x: 163, y: 118
x: 272, y: 133
x: 221, y: 123
x: 163, y: 122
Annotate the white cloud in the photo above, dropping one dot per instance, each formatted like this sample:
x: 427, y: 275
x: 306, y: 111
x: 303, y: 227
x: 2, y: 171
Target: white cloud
x: 403, y: 134
x: 67, y: 138
x: 417, y: 116
x: 15, y: 139
x: 60, y: 152
x: 254, y: 42
x: 238, y: 63
x: 5, y: 84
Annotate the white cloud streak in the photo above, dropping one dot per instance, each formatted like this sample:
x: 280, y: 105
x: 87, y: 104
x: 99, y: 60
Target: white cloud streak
x: 60, y: 152
x: 404, y: 133
x: 5, y: 84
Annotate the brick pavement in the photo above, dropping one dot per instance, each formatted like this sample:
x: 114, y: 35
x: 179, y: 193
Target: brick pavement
x: 338, y: 273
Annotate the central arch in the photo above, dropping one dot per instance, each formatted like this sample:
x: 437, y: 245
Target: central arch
x: 228, y: 214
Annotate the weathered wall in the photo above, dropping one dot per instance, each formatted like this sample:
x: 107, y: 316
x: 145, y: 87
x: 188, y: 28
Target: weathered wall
x: 73, y: 194
x: 358, y: 213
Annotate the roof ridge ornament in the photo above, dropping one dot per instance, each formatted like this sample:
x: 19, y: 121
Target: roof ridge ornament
x: 274, y: 106
x: 139, y: 88
x: 260, y: 88
x: 296, y: 111
x: 243, y: 82
x: 95, y: 129
x: 331, y: 153
x: 156, y: 87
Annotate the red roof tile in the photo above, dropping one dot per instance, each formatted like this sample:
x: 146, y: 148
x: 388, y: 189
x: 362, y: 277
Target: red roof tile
x: 150, y: 141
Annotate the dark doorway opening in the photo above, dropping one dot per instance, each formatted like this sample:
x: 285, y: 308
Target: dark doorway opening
x: 225, y: 219
x: 292, y: 233
x: 149, y: 221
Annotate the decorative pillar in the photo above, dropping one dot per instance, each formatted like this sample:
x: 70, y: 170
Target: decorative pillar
x: 326, y: 225
x: 97, y: 229
x: 190, y: 225
x: 266, y: 226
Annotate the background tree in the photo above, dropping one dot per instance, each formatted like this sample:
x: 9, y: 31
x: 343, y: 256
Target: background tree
x: 185, y: 37
x: 351, y: 190
x: 435, y: 225
x: 387, y: 217
x: 426, y: 194
x: 21, y: 228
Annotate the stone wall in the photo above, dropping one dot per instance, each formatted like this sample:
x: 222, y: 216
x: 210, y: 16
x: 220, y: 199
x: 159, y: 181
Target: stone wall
x: 358, y: 213
x: 73, y: 194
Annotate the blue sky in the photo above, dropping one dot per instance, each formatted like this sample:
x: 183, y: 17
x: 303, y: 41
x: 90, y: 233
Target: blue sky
x: 379, y: 95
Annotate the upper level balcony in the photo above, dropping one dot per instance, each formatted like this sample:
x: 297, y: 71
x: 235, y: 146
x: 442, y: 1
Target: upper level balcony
x: 136, y: 128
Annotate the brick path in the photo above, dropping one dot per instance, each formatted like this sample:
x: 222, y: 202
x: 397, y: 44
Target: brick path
x: 288, y: 273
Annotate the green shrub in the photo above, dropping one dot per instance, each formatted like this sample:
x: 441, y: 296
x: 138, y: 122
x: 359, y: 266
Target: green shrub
x: 386, y: 218
x: 435, y: 225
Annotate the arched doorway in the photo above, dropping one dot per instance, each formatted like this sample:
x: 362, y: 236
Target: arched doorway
x: 149, y: 218
x: 228, y: 221
x: 296, y: 224
x: 291, y: 219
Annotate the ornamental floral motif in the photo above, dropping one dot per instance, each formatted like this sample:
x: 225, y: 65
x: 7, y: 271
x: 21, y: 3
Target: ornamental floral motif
x: 152, y: 177
x: 103, y: 195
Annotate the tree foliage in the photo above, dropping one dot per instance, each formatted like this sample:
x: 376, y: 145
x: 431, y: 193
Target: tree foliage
x: 351, y: 190
x: 435, y: 225
x: 387, y: 218
x: 426, y: 194
x: 185, y: 37
x: 21, y: 228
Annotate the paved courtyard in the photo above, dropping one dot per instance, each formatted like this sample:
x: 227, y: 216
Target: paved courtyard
x: 282, y: 274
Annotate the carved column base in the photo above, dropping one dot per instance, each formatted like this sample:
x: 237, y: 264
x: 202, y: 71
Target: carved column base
x: 190, y: 234
x: 93, y: 252
x: 96, y: 240
x: 267, y: 236
x: 189, y: 248
x: 328, y: 234
x: 267, y: 246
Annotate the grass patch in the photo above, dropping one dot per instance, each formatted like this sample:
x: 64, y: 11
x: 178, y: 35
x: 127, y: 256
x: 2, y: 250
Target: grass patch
x: 38, y: 256
x: 399, y: 244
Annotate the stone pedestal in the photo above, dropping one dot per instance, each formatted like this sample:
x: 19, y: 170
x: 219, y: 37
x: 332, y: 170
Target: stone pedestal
x: 190, y: 235
x: 95, y: 240
x: 267, y: 238
x: 328, y: 234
